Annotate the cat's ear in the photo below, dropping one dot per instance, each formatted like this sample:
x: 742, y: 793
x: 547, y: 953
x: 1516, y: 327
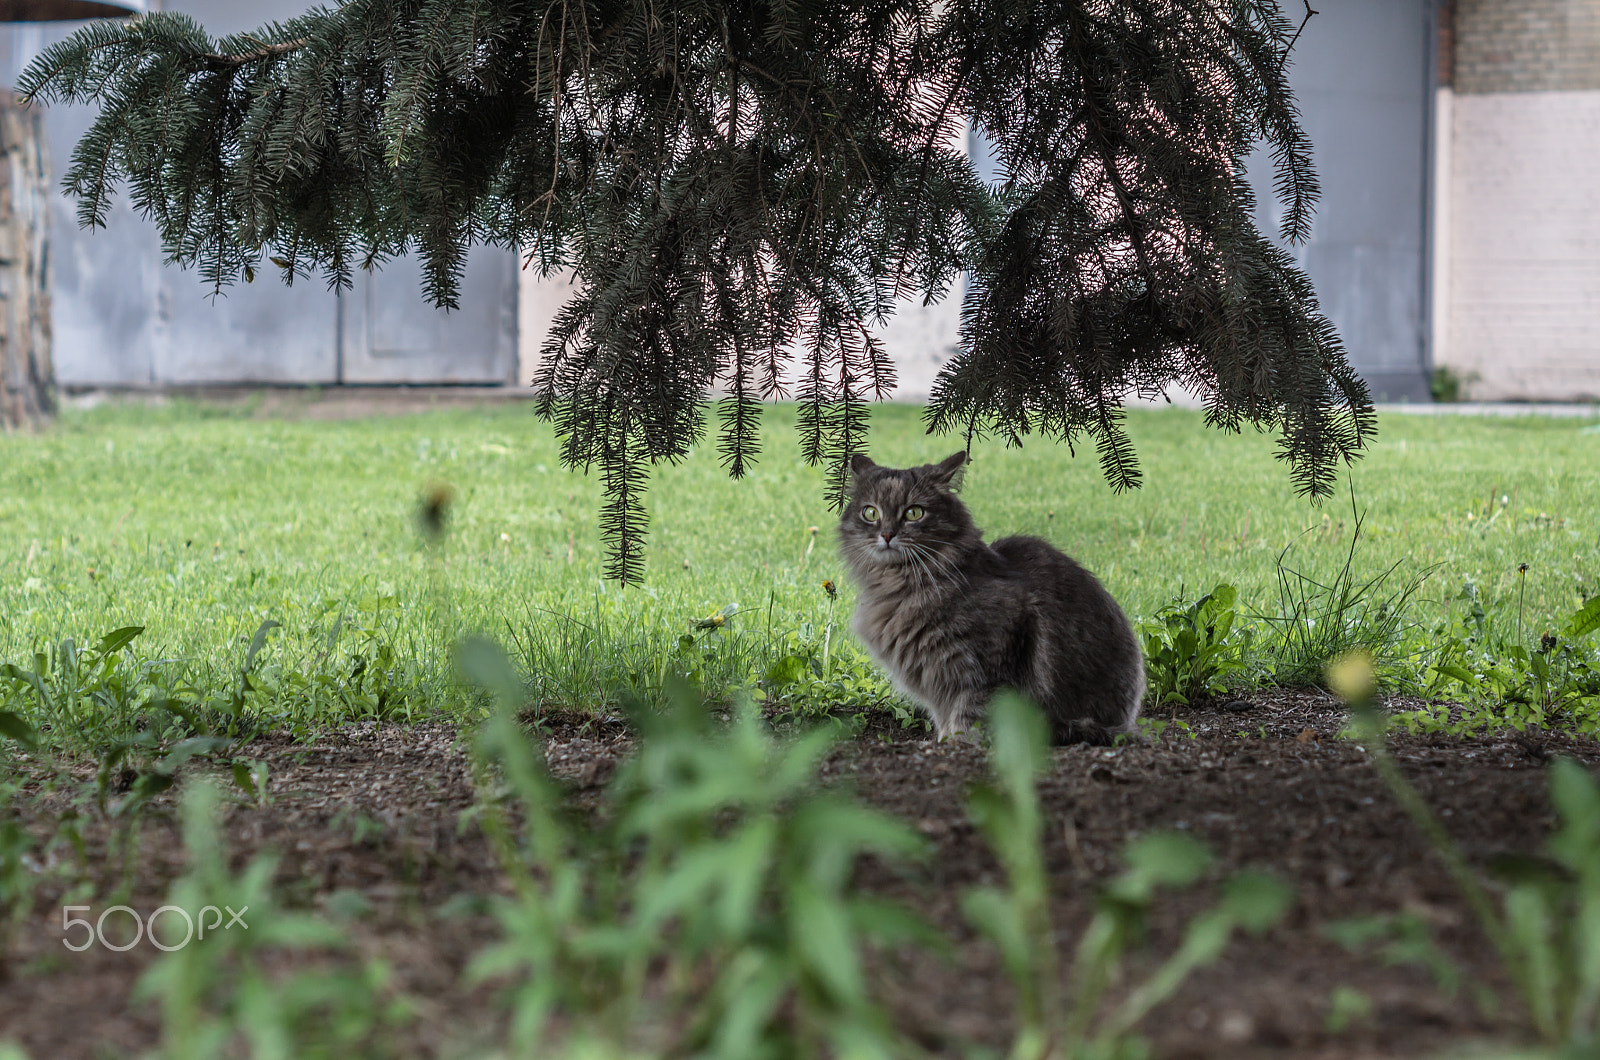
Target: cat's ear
x: 949, y: 472
x: 860, y: 464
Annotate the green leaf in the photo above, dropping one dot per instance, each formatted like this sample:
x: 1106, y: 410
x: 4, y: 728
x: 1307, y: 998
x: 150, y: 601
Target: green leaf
x: 258, y: 641
x: 1020, y: 742
x: 1256, y: 901
x: 1577, y: 799
x: 1458, y: 672
x: 244, y: 781
x: 836, y: 830
x: 989, y: 910
x: 889, y: 922
x: 1529, y: 925
x: 183, y: 750
x: 1165, y: 859
x: 1586, y: 619
x: 118, y: 639
x: 749, y: 854
x: 756, y: 987
x: 683, y: 889
x: 1358, y: 932
x: 30, y: 678
x: 482, y: 662
x: 786, y: 671
x: 16, y: 728
x: 820, y: 933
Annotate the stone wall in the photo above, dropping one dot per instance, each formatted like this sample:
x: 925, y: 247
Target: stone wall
x: 1526, y: 46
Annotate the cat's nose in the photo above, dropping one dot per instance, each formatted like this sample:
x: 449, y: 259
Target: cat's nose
x: 887, y: 535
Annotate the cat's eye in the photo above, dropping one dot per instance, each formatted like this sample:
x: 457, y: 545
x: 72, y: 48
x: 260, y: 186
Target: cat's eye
x: 870, y: 513
x: 914, y: 513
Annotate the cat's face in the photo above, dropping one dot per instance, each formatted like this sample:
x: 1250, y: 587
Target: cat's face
x: 903, y: 516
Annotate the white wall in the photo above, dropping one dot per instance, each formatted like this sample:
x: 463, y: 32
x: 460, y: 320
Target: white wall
x: 1524, y: 246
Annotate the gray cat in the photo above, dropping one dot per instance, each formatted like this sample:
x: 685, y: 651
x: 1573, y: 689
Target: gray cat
x: 954, y: 620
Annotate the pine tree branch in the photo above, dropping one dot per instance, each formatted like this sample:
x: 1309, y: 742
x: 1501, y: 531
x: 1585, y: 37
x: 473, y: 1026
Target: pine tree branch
x: 646, y: 149
x: 1310, y: 14
x: 227, y: 63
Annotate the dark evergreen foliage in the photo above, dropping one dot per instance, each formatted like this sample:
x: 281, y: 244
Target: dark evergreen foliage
x: 744, y: 188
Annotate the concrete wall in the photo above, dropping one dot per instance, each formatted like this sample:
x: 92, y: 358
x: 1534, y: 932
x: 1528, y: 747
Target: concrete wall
x: 1520, y: 250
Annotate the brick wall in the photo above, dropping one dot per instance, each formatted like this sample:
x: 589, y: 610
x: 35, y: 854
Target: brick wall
x: 1520, y: 225
x: 1526, y: 45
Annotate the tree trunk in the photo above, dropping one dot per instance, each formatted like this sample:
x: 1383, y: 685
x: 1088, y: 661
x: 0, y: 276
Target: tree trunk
x: 27, y: 376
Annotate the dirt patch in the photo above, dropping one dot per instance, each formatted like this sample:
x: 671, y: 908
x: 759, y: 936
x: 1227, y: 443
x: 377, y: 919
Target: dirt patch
x: 378, y: 812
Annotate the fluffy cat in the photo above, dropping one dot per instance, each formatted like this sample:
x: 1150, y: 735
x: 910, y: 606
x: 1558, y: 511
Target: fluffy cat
x: 954, y: 620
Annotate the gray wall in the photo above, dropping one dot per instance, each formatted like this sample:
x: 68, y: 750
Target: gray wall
x: 122, y: 318
x: 1362, y: 74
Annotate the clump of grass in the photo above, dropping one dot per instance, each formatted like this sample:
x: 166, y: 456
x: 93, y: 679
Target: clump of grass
x: 1196, y: 649
x: 1318, y: 620
x: 722, y: 876
x: 223, y: 996
x: 1494, y: 679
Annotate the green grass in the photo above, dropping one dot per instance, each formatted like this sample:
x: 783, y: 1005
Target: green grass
x: 200, y: 526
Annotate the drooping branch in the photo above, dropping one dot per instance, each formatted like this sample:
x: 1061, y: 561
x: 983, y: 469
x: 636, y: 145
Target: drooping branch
x: 742, y: 191
x: 213, y: 61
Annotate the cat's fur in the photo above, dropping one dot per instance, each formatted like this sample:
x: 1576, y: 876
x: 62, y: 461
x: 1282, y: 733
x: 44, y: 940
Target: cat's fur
x: 954, y: 620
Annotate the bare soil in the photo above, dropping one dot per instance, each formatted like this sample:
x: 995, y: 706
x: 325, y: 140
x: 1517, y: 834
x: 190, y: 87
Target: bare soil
x: 1265, y: 783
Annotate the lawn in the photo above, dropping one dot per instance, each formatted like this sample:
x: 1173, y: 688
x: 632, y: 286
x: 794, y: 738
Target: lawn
x: 201, y: 523
x: 529, y: 863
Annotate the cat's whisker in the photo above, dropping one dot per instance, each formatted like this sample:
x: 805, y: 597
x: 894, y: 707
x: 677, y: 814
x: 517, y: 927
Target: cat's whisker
x: 935, y: 559
x: 918, y: 556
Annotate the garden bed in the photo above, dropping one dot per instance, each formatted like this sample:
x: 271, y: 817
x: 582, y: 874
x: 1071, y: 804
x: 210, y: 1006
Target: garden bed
x: 370, y: 828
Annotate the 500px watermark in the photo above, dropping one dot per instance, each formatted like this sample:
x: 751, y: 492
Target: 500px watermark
x: 193, y: 926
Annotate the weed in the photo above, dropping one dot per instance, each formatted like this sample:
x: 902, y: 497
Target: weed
x: 1400, y: 938
x: 1192, y: 650
x: 80, y: 692
x: 1498, y: 682
x: 19, y: 867
x: 720, y: 874
x: 1154, y: 728
x: 1546, y: 930
x: 216, y: 992
x: 1448, y: 385
x: 1017, y: 918
x: 1347, y: 1006
x: 1318, y: 621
